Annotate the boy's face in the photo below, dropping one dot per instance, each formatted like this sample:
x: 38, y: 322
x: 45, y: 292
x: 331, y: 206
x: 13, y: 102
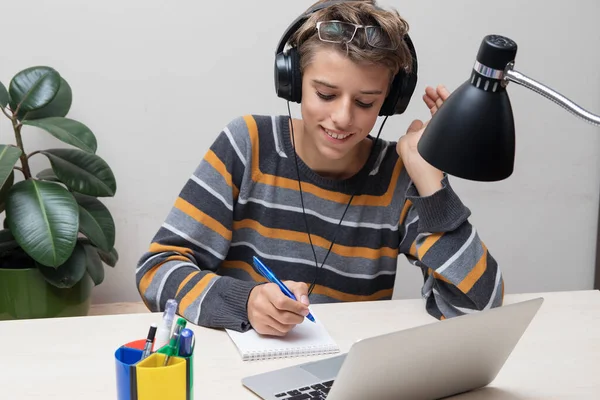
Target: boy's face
x: 340, y: 102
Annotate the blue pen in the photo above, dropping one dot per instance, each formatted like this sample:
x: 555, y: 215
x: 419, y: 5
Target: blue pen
x: 186, y: 343
x: 267, y: 273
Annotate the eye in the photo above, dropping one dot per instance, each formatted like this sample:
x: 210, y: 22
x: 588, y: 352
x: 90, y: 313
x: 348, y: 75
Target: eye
x: 325, y: 97
x: 364, y: 105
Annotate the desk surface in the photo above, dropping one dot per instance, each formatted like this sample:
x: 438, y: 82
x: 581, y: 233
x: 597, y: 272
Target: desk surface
x: 72, y: 358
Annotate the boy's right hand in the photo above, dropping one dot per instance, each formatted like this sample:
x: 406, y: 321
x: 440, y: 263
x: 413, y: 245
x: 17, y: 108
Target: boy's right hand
x: 271, y: 312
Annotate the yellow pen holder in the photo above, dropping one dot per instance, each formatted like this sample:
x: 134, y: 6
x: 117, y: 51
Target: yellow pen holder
x: 149, y: 379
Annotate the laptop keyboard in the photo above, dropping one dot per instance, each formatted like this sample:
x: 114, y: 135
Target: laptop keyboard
x: 318, y: 391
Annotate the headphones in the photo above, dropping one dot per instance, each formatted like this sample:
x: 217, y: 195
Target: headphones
x: 288, y: 78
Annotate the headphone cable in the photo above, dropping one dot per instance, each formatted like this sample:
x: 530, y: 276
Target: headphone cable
x: 310, y: 289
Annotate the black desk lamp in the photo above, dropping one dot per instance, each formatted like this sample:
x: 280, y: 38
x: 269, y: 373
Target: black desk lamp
x: 472, y: 135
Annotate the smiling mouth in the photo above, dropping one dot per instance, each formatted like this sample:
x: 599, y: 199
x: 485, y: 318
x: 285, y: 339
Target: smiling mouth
x: 337, y: 135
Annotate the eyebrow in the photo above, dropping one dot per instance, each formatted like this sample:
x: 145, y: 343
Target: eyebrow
x: 329, y: 85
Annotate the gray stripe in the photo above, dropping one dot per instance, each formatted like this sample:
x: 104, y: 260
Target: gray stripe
x: 301, y: 250
x: 234, y: 145
x: 192, y: 312
x: 163, y: 279
x: 189, y: 239
x: 276, y: 135
x: 319, y: 215
x: 212, y: 191
x: 197, y: 231
x: 463, y: 261
x: 451, y: 260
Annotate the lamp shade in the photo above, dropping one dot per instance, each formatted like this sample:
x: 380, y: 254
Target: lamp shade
x: 472, y: 135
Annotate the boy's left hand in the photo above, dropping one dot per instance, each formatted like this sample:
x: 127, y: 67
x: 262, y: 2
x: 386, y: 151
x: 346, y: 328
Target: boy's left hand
x: 426, y: 178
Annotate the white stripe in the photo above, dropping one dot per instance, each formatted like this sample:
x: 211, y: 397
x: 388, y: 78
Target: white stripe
x: 379, y: 160
x: 211, y: 283
x: 164, y: 280
x: 316, y: 214
x: 461, y: 309
x: 212, y: 191
x: 235, y: 146
x: 276, y: 138
x: 147, y: 261
x: 496, y: 284
x: 457, y: 254
x: 407, y: 225
x: 197, y: 243
x: 307, y: 262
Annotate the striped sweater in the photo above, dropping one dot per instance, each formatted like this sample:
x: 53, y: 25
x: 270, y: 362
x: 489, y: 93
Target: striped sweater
x: 243, y: 200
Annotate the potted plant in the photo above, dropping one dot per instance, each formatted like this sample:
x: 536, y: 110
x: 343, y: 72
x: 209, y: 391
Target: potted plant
x: 57, y: 234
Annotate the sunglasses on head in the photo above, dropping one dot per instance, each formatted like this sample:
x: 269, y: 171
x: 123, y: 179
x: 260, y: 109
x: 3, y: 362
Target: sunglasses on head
x: 343, y: 32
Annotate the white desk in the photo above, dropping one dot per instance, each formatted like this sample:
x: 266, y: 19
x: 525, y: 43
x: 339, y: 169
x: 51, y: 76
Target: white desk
x: 72, y: 358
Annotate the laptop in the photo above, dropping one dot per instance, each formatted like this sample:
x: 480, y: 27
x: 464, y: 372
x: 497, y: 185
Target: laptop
x: 431, y: 361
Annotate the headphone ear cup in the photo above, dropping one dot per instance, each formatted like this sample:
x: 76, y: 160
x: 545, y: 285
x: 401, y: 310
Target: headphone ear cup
x: 296, y: 75
x: 283, y: 76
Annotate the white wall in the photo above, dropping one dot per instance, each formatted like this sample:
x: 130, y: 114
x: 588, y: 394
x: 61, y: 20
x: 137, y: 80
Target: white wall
x: 156, y: 80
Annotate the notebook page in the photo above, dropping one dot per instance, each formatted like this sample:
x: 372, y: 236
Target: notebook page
x: 307, y: 338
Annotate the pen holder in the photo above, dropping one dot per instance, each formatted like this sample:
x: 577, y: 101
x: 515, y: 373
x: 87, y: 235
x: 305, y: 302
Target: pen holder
x: 148, y: 379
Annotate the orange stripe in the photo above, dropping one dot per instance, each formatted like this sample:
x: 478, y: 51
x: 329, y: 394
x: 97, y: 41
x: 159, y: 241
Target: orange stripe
x: 179, y: 258
x: 217, y: 164
x: 318, y: 289
x: 336, y: 294
x: 161, y: 248
x: 246, y: 267
x: 203, y: 218
x: 405, y: 209
x: 413, y: 249
x: 476, y: 273
x: 277, y: 181
x: 427, y: 243
x: 346, y: 251
x: 148, y: 276
x: 195, y: 292
x: 186, y: 280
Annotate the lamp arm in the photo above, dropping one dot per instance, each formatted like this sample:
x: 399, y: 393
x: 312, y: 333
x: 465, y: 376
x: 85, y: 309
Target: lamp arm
x: 514, y: 76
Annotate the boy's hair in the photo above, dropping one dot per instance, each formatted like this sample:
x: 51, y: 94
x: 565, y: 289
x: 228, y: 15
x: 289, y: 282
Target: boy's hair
x: 364, y: 12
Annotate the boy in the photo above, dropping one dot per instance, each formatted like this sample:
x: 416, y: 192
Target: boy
x: 320, y: 201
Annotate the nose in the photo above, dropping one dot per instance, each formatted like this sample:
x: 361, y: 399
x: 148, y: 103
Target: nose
x: 342, y: 115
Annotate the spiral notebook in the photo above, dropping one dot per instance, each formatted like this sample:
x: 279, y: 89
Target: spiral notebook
x: 305, y: 339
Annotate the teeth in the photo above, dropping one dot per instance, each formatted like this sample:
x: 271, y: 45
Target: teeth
x: 337, y: 135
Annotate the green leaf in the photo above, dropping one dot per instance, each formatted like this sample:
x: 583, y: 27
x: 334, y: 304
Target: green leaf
x: 8, y: 158
x: 96, y: 222
x: 47, y: 175
x: 94, y: 265
x: 109, y: 258
x: 4, y: 190
x: 82, y: 172
x: 68, y: 130
x: 33, y: 88
x: 44, y: 218
x: 3, y: 96
x: 58, y: 107
x: 68, y: 273
x: 7, y: 241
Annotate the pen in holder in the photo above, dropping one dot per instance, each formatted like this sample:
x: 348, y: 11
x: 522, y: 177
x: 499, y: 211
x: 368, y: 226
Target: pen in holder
x: 150, y: 378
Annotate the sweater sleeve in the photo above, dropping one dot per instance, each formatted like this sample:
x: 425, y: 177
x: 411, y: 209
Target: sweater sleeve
x: 188, y: 248
x: 460, y: 275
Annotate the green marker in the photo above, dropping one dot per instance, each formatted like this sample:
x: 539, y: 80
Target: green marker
x: 173, y: 347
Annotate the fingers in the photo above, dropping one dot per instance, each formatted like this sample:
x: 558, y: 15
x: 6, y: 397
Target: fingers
x: 434, y: 98
x: 443, y: 92
x: 300, y: 290
x: 415, y: 126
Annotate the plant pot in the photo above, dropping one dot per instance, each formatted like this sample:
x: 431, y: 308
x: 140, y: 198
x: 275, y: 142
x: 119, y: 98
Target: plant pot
x: 25, y: 294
